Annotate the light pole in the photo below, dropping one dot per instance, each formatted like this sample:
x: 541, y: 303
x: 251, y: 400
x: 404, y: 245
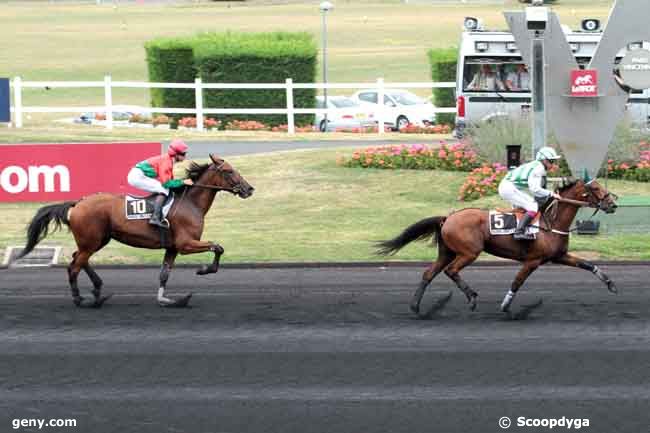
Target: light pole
x: 324, y: 8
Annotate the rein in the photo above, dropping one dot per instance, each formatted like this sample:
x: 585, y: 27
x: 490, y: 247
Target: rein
x: 553, y: 208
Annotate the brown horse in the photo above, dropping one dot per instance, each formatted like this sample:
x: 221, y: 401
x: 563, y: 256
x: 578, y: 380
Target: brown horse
x: 96, y: 219
x: 463, y: 235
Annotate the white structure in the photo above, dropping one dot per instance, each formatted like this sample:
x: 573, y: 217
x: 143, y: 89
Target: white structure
x: 198, y: 86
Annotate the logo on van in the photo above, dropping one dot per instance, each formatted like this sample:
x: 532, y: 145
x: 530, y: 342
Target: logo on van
x: 15, y: 179
x: 584, y: 82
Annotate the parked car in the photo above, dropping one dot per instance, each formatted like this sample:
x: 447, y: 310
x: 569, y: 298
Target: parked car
x: 344, y: 114
x: 401, y: 107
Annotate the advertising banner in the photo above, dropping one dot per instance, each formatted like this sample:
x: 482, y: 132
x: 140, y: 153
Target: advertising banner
x: 56, y: 172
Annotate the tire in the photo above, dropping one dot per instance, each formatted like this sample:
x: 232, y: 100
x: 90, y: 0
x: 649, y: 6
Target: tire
x: 322, y: 127
x: 401, y: 122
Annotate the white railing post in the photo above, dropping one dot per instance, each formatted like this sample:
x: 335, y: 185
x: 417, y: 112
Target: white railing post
x: 291, y: 126
x: 18, y: 102
x: 108, y: 101
x: 380, y: 104
x: 198, y: 99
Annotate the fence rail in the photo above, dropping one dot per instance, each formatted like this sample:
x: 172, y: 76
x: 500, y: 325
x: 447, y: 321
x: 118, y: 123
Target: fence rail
x: 198, y: 86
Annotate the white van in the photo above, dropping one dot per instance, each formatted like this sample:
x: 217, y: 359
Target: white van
x: 492, y: 80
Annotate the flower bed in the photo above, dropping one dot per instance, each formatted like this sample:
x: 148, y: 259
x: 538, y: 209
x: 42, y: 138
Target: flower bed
x: 639, y: 171
x: 456, y: 157
x: 435, y: 129
x: 482, y: 181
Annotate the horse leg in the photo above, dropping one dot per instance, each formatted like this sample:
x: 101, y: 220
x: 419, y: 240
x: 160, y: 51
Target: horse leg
x: 80, y: 261
x: 577, y: 262
x: 453, y: 271
x: 196, y: 246
x: 522, y: 275
x: 444, y: 258
x: 214, y: 266
x: 97, y: 286
x: 168, y: 263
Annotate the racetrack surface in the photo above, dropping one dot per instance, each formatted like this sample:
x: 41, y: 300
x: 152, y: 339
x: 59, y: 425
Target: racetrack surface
x: 324, y: 350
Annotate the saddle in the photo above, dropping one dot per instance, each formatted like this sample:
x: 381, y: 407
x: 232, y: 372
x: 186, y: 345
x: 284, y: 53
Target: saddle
x: 504, y: 222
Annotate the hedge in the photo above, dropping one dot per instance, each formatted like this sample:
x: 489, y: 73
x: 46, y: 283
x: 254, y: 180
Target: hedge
x: 258, y: 58
x: 171, y: 61
x: 443, y: 63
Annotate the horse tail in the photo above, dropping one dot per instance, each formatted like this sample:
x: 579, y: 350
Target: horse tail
x: 416, y: 232
x: 39, y: 226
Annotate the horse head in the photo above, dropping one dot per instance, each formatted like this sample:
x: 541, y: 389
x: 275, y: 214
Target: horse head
x: 591, y: 192
x: 222, y: 176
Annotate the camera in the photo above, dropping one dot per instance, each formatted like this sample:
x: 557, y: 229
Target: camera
x: 536, y: 18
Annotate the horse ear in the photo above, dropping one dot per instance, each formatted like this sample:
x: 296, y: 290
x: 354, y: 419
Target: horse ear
x: 215, y: 159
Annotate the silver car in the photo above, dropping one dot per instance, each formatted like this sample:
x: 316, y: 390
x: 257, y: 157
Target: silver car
x: 344, y: 113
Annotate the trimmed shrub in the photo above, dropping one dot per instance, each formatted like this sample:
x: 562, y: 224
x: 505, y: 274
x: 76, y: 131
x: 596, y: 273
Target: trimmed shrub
x: 171, y: 61
x: 257, y: 58
x: 443, y: 68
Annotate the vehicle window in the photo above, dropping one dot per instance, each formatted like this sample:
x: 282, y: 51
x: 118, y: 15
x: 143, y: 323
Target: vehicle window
x: 388, y: 101
x: 320, y: 103
x: 369, y: 97
x: 343, y: 102
x: 496, y: 77
x: 404, y: 98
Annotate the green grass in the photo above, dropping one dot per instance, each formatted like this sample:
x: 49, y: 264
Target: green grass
x: 306, y: 208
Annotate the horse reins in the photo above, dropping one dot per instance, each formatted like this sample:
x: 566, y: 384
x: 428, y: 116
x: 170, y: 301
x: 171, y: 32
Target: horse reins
x: 578, y: 203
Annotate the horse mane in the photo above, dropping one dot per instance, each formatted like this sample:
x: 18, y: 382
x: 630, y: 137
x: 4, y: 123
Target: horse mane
x: 566, y: 184
x: 195, y: 169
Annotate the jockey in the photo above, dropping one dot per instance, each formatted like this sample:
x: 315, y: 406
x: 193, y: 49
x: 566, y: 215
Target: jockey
x: 531, y: 176
x: 155, y: 175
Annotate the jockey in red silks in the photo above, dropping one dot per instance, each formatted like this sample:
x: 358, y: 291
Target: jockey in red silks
x: 155, y: 175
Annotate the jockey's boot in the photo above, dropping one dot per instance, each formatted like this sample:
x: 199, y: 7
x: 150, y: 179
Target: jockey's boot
x: 520, y: 231
x: 156, y: 218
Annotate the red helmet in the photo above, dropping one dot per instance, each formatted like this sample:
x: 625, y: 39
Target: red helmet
x: 177, y: 146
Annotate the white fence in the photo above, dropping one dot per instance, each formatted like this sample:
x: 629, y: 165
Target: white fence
x: 200, y: 111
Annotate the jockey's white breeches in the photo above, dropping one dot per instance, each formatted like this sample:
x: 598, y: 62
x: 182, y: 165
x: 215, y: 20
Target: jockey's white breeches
x: 138, y: 179
x: 508, y: 191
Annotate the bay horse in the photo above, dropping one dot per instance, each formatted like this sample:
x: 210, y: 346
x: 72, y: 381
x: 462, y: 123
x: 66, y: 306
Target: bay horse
x: 463, y: 235
x: 96, y: 219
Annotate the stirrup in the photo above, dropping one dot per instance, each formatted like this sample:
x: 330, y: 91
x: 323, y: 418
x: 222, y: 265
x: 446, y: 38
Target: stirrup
x: 159, y: 223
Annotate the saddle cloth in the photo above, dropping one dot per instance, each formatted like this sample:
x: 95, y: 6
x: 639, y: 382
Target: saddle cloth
x: 141, y: 208
x: 503, y: 222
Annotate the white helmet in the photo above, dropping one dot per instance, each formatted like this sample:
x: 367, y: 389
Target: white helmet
x: 547, y: 153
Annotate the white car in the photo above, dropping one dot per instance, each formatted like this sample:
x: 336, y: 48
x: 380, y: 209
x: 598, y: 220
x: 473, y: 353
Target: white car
x: 401, y: 107
x: 344, y: 113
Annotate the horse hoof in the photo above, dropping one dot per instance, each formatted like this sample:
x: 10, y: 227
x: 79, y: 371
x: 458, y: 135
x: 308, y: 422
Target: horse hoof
x: 415, y: 308
x: 178, y: 303
x: 473, y: 302
x: 436, y: 307
x: 100, y: 301
x: 205, y: 269
x: 78, y: 301
x: 612, y: 287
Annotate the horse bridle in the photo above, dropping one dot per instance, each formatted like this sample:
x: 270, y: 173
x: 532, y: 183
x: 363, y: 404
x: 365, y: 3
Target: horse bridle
x: 596, y: 206
x: 219, y: 169
x: 599, y: 204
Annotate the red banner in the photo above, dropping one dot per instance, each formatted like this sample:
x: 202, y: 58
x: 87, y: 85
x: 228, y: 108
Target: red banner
x: 584, y: 82
x: 54, y: 172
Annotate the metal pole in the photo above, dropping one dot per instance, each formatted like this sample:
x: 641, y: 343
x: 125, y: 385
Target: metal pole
x: 325, y: 64
x: 539, y: 111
